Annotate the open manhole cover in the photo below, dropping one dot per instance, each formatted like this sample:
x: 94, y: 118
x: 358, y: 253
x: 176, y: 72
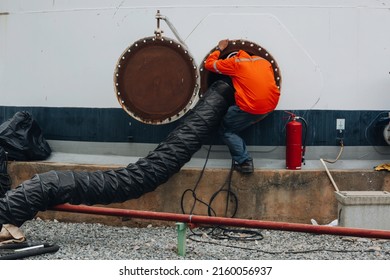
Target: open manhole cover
x: 156, y: 80
x: 208, y: 77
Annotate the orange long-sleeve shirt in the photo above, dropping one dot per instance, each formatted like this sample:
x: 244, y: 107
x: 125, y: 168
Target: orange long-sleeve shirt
x: 253, y: 80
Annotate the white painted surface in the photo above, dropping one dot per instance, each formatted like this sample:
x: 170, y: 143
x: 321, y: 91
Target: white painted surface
x: 332, y: 54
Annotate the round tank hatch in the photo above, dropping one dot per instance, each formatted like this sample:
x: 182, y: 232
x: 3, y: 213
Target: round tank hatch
x: 156, y: 80
x: 208, y: 77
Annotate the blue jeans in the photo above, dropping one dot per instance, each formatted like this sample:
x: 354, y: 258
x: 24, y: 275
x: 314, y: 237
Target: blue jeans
x: 233, y: 122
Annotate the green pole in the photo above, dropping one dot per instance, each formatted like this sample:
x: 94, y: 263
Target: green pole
x: 181, y: 238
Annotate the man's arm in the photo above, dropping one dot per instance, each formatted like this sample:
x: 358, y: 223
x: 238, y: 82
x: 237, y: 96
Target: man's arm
x: 221, y: 66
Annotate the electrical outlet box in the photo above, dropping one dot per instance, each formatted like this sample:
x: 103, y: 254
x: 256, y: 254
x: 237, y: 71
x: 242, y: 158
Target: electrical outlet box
x: 340, y: 124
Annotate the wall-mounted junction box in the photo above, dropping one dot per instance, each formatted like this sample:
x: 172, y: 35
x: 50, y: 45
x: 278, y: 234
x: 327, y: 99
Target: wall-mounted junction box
x: 340, y: 124
x: 340, y: 127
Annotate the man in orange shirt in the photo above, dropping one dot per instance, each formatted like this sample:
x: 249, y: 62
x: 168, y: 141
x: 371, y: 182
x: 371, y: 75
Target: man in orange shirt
x: 256, y: 96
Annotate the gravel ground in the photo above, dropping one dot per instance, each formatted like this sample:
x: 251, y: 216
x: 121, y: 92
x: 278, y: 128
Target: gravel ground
x: 101, y: 242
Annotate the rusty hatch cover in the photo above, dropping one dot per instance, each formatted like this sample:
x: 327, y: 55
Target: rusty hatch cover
x: 156, y: 80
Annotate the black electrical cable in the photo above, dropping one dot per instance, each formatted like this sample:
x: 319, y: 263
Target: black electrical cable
x: 193, y: 190
x: 24, y: 250
x: 5, y: 179
x: 308, y: 251
x: 229, y: 193
x: 219, y: 232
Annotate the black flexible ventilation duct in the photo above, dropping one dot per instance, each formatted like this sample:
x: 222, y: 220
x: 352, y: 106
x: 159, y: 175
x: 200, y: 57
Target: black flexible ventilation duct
x: 46, y: 190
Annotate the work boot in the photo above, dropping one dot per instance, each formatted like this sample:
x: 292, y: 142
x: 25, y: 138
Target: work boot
x: 246, y: 167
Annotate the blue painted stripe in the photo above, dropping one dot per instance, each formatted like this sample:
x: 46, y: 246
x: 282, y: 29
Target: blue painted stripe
x: 362, y: 128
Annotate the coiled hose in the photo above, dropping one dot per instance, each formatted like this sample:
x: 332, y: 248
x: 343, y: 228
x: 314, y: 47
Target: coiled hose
x: 46, y: 190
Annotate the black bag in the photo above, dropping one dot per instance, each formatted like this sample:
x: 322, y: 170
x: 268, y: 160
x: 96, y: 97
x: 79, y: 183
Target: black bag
x: 5, y: 179
x: 21, y: 137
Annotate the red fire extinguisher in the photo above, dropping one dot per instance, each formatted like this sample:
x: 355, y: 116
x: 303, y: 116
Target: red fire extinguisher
x: 295, y: 145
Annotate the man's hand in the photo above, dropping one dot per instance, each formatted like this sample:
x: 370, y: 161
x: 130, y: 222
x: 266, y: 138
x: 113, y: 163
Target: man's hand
x: 223, y: 44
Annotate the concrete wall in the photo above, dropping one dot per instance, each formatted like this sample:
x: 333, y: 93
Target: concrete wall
x: 276, y: 195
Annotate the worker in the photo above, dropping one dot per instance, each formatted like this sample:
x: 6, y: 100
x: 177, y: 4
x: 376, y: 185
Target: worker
x: 256, y: 96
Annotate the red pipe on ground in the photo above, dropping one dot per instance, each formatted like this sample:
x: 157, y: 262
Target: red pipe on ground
x: 235, y: 222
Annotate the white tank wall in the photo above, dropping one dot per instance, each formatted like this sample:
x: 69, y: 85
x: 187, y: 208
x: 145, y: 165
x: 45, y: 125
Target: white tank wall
x: 333, y: 54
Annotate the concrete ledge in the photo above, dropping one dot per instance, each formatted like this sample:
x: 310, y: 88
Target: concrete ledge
x: 270, y: 194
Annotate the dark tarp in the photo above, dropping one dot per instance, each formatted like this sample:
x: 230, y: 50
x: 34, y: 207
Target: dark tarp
x: 22, y: 138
